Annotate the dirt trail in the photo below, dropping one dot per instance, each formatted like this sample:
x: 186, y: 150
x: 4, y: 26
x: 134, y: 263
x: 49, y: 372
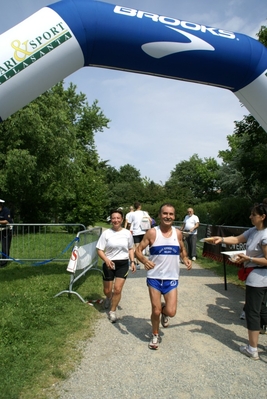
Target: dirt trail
x: 198, y: 356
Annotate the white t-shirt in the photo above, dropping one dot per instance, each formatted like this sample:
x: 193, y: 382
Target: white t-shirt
x: 129, y: 217
x: 136, y: 222
x: 116, y: 244
x: 190, y: 222
x: 255, y: 239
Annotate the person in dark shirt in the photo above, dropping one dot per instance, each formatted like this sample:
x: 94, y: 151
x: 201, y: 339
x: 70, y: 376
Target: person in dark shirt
x: 5, y: 233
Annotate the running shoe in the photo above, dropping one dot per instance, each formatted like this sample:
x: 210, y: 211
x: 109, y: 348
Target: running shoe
x: 246, y: 352
x: 164, y: 319
x: 107, y: 302
x: 137, y: 266
x: 154, y: 342
x: 194, y: 259
x: 112, y: 317
x: 243, y: 315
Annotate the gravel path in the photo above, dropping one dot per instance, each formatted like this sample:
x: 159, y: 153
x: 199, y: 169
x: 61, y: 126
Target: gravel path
x: 198, y: 356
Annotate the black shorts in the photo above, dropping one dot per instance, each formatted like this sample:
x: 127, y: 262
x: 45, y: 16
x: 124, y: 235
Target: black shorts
x: 121, y: 270
x: 138, y: 239
x: 255, y: 307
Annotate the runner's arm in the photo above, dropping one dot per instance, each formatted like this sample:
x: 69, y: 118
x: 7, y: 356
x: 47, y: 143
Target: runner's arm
x: 131, y: 257
x: 102, y: 255
x: 183, y: 252
x: 148, y: 239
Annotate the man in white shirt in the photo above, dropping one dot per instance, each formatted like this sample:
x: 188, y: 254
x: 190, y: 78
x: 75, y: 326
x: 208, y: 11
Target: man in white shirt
x: 190, y: 225
x: 128, y: 218
x: 136, y: 229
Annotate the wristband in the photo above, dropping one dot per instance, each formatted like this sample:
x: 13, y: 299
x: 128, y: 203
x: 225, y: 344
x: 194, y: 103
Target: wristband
x: 222, y: 239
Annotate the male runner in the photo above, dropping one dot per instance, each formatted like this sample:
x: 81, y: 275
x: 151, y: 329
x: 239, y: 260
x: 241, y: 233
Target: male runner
x: 166, y: 247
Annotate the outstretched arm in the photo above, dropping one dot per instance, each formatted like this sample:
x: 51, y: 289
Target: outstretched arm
x: 227, y: 240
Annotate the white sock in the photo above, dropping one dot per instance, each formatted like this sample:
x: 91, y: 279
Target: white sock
x: 251, y: 349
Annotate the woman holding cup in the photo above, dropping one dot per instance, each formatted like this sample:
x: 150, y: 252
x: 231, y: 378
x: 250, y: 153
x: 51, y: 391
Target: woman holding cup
x: 255, y: 258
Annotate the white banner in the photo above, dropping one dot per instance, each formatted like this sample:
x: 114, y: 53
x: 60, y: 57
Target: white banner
x: 87, y: 254
x: 29, y: 53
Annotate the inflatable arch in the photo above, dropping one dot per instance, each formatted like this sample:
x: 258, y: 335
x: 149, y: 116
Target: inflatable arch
x: 65, y: 36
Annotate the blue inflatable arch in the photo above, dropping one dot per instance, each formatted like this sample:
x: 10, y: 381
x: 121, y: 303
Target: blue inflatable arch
x: 65, y: 36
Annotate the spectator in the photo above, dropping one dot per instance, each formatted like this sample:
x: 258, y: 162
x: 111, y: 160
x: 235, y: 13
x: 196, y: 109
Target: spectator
x: 255, y: 262
x: 5, y: 232
x: 138, y: 233
x: 115, y: 248
x: 166, y: 246
x: 128, y: 218
x: 190, y: 225
x: 153, y: 222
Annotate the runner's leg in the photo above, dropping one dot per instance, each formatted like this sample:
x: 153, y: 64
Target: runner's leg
x: 116, y: 297
x: 155, y: 299
x: 107, y: 285
x: 171, y: 303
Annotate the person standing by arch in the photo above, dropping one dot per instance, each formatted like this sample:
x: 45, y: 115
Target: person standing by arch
x: 190, y: 225
x: 5, y: 232
x: 255, y: 270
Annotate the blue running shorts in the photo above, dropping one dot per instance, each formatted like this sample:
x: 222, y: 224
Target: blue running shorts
x: 163, y: 286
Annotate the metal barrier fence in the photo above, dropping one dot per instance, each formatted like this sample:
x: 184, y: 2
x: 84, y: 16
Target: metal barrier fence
x: 39, y: 242
x: 84, y: 257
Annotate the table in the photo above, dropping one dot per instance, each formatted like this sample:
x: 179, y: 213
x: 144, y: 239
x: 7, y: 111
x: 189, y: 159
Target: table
x: 229, y: 254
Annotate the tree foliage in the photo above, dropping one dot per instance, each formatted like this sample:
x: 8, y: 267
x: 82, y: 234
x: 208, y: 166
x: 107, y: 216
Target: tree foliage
x: 126, y: 186
x: 243, y: 173
x: 51, y: 171
x: 194, y: 180
x: 262, y: 35
x: 49, y: 161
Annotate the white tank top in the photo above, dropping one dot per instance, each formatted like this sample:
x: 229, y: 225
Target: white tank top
x: 165, y: 253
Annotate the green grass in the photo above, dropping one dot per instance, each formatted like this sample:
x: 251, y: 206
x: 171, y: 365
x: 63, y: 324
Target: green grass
x: 53, y: 244
x: 41, y: 335
x: 103, y: 224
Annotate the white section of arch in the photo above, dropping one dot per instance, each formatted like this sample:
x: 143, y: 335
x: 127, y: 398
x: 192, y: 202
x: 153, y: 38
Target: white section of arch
x: 254, y: 98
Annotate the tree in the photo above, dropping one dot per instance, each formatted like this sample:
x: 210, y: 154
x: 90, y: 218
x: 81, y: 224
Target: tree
x: 129, y: 174
x: 123, y: 186
x: 243, y: 171
x: 262, y: 35
x: 194, y: 180
x: 48, y: 157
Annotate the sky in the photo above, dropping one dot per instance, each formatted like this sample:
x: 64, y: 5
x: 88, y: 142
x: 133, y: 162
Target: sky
x: 157, y: 123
